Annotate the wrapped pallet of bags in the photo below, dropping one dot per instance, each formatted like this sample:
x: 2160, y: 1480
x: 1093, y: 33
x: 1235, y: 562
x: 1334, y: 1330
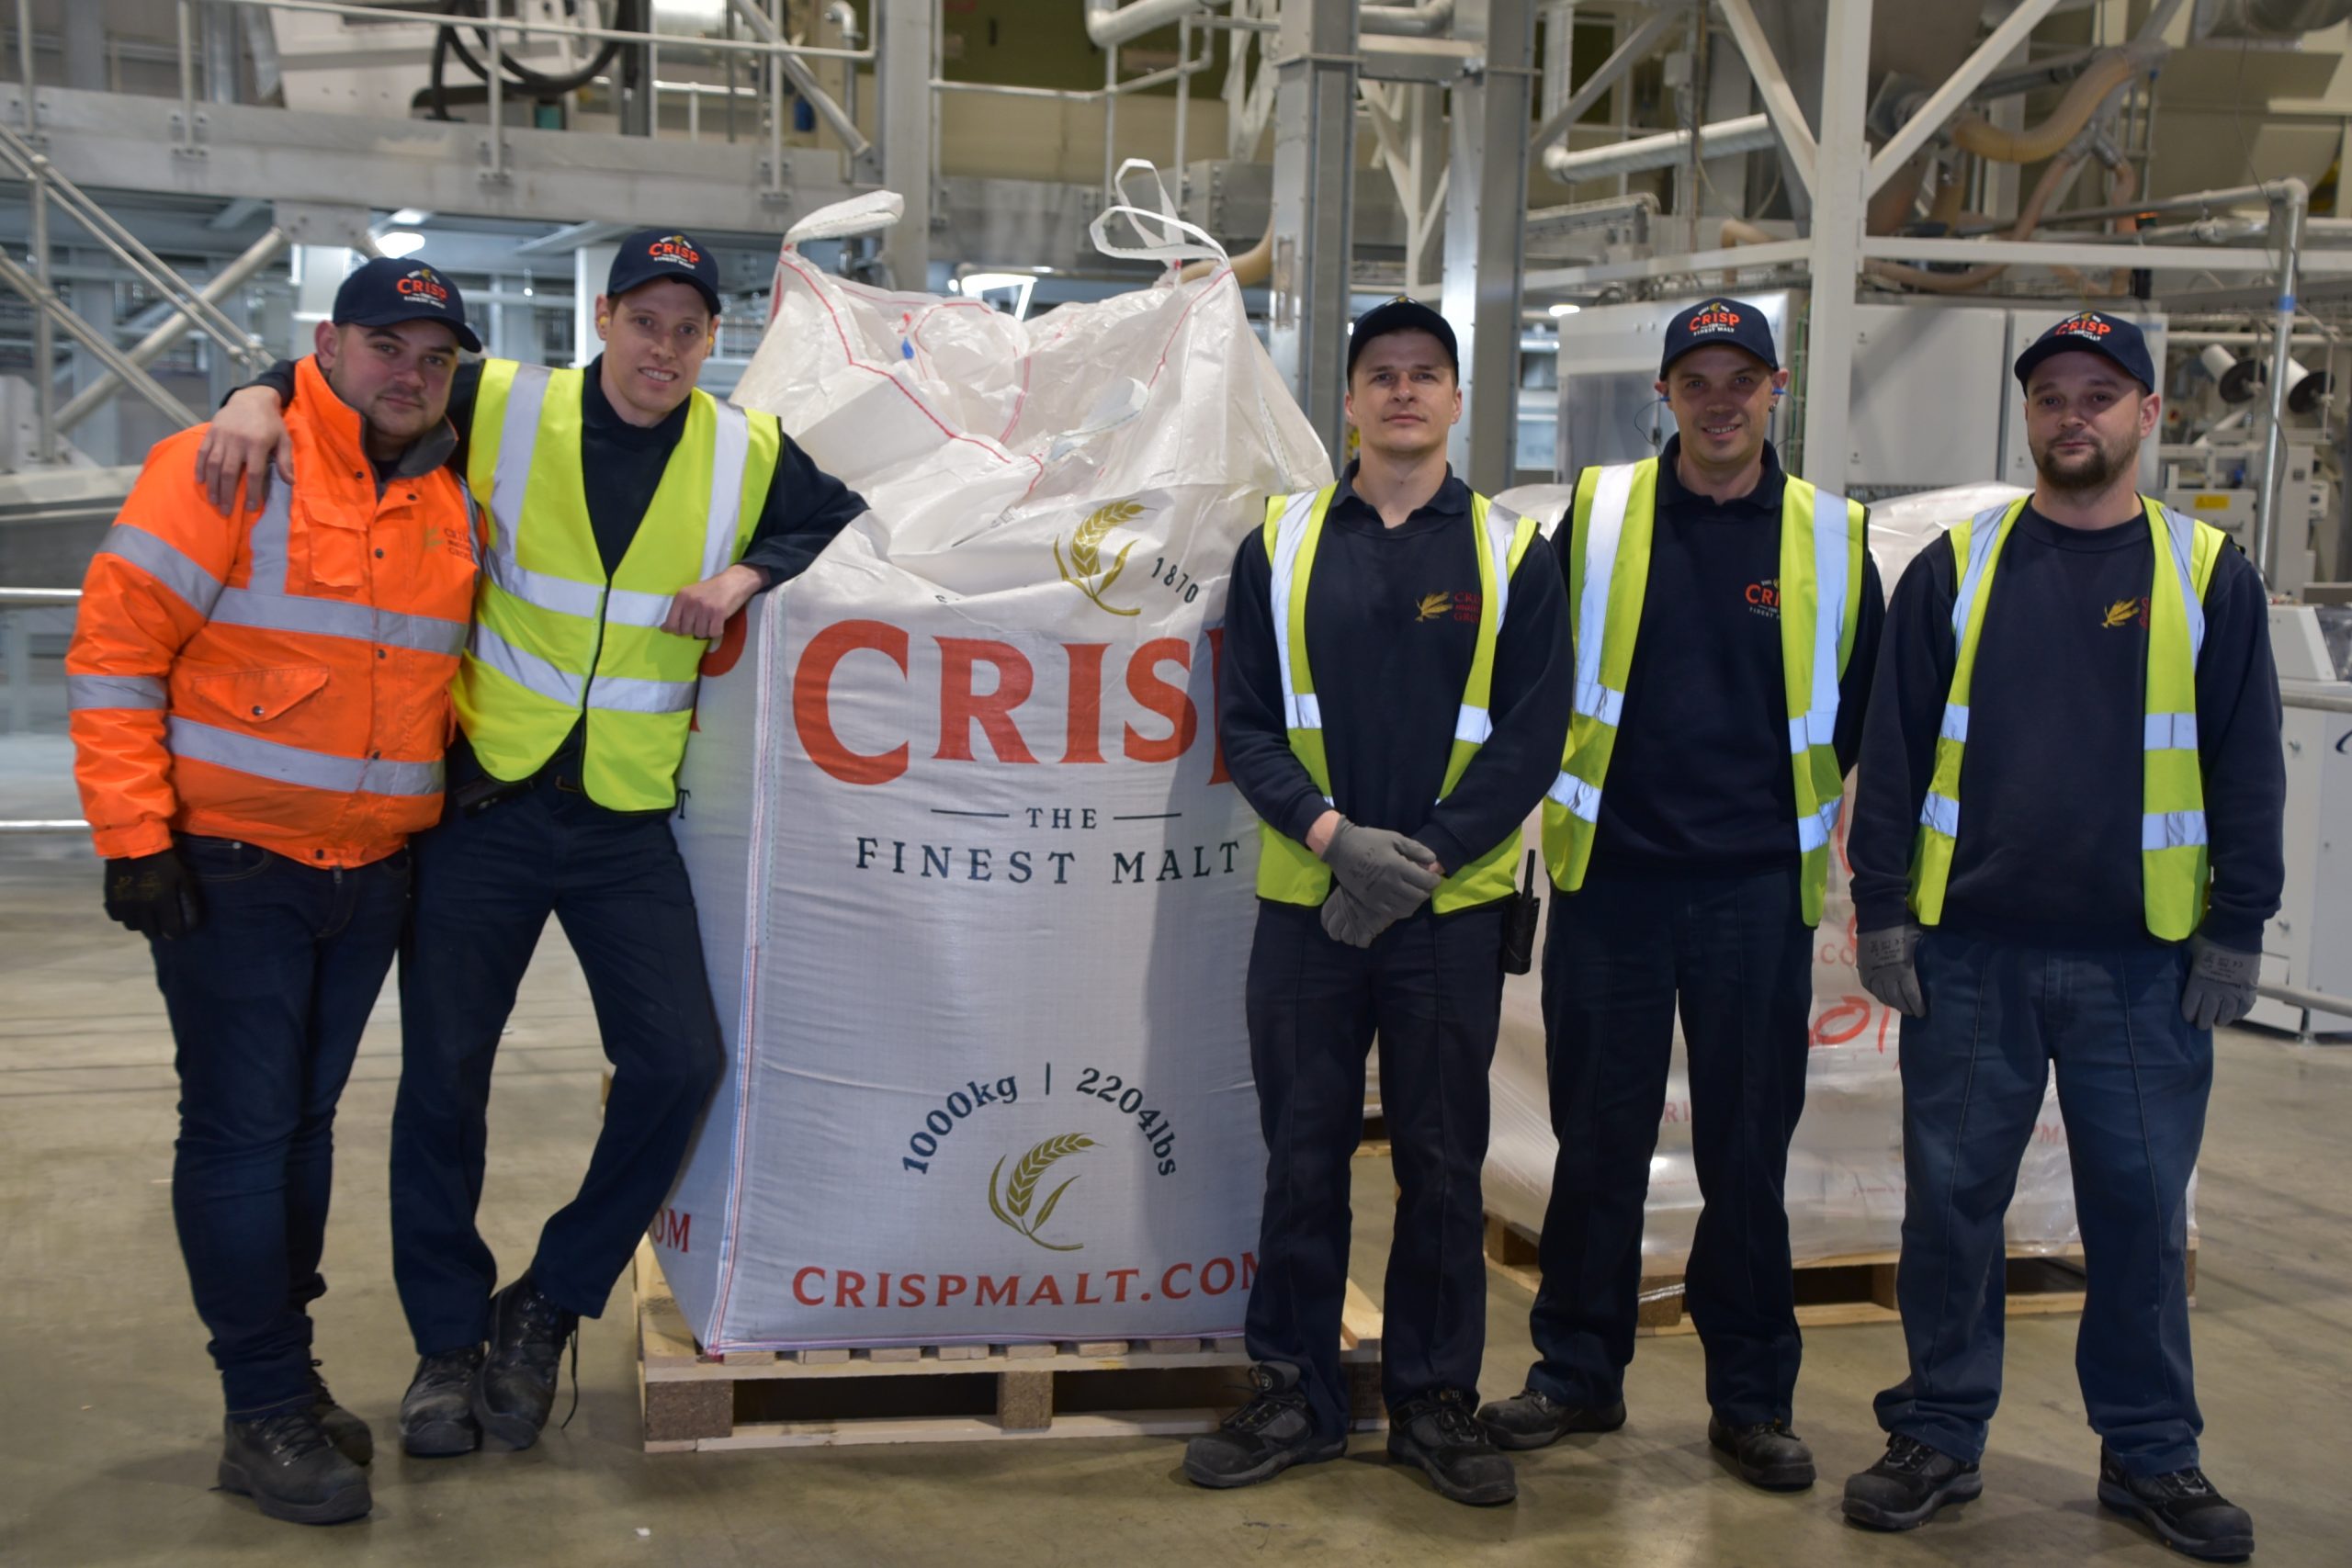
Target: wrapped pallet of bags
x: 974, y: 888
x: 1845, y: 1180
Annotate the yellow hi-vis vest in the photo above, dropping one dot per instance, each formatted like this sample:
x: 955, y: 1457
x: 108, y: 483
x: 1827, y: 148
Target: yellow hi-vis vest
x: 553, y: 638
x: 1822, y: 560
x: 1290, y: 872
x: 2173, y: 870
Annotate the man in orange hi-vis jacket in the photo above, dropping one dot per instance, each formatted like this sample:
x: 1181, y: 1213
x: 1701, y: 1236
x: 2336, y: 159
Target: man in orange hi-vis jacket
x: 259, y: 706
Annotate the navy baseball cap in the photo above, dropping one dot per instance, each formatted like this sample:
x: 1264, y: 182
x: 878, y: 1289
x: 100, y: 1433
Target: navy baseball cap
x: 1719, y: 321
x: 390, y: 290
x: 2094, y: 331
x: 1398, y: 315
x: 651, y: 255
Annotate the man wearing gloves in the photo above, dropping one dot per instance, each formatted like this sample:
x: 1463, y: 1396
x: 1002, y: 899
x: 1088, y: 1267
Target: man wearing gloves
x: 259, y: 705
x: 1393, y: 723
x: 2065, y: 845
x: 1725, y: 617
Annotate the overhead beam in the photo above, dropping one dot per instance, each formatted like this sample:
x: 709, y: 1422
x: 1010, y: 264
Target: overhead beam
x: 1772, y: 87
x: 1946, y: 100
x: 1837, y: 243
x: 909, y: 119
x: 1623, y: 58
x: 1314, y: 61
x: 1486, y: 235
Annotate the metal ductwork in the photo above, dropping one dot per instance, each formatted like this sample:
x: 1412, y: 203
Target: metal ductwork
x: 1748, y: 133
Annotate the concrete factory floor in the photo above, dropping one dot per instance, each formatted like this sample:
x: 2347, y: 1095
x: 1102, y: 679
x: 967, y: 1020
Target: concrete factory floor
x: 112, y: 1420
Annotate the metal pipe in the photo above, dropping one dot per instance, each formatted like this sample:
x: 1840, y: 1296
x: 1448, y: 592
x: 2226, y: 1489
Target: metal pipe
x: 521, y: 25
x: 2287, y: 204
x: 187, y: 78
x: 1946, y: 100
x: 2309, y: 1001
x: 24, y: 61
x: 1654, y: 28
x: 496, y: 79
x: 44, y: 365
x: 1748, y: 133
x: 1110, y: 24
x: 2201, y: 201
x: 1427, y: 19
x: 1183, y: 100
x: 46, y: 299
x: 175, y: 326
x: 804, y: 82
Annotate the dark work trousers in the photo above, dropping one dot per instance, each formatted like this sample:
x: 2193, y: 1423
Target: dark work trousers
x: 485, y: 885
x: 1622, y: 952
x: 1430, y: 989
x: 267, y: 999
x: 2132, y: 1082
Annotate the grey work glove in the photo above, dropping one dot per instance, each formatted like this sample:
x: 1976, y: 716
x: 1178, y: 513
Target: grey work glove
x: 1884, y: 958
x: 2221, y: 984
x: 1345, y: 919
x: 1389, y: 873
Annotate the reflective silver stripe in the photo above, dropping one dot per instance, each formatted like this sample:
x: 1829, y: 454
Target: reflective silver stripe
x: 1580, y: 798
x: 1832, y: 531
x: 2171, y: 829
x: 1941, y: 812
x: 1473, y: 724
x: 1955, y: 727
x: 1984, y: 533
x: 730, y: 455
x: 1606, y: 525
x: 628, y: 607
x: 2182, y: 533
x: 518, y: 437
x: 559, y: 595
x: 1289, y: 535
x: 1301, y: 710
x: 1597, y: 701
x: 1502, y: 526
x: 292, y: 764
x: 623, y: 693
x: 113, y: 691
x: 2169, y: 732
x: 272, y: 541
x: 1814, y: 832
x: 337, y: 617
x: 194, y: 586
x: 528, y: 670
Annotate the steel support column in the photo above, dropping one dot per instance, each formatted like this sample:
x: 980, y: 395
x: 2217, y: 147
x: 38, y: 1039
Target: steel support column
x: 1313, y: 221
x: 1842, y: 163
x: 1485, y: 225
x: 906, y: 31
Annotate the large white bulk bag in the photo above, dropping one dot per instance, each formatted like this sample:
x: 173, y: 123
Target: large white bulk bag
x: 1845, y: 1182
x: 975, y: 889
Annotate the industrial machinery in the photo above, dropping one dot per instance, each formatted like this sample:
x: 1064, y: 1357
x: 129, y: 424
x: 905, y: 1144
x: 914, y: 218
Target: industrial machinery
x: 2307, y: 948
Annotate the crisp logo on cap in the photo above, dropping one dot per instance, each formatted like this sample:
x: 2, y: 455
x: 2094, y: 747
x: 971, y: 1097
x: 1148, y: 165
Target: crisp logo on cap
x: 674, y: 248
x: 1715, y: 316
x: 423, y: 287
x: 2089, y: 325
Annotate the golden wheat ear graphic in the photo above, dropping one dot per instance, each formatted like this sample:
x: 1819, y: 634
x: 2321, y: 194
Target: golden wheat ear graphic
x: 1021, y: 1191
x: 1085, y: 553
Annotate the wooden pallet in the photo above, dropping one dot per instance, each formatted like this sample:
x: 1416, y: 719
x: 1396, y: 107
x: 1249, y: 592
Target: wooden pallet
x: 1856, y: 1287
x: 937, y: 1394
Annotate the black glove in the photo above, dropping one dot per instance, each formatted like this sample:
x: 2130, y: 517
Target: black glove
x: 1389, y: 873
x: 1884, y: 958
x: 1346, y: 919
x: 2221, y: 984
x: 154, y: 895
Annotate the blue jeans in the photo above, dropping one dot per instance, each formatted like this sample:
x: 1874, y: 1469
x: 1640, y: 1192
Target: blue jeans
x: 1734, y: 954
x: 267, y: 999
x: 485, y: 886
x: 2132, y: 1083
x: 1431, y: 990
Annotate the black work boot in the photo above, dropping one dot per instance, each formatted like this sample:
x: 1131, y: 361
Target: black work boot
x: 1532, y: 1418
x: 1440, y: 1434
x: 1265, y: 1437
x: 286, y: 1465
x: 1907, y: 1484
x: 514, y: 1388
x: 437, y: 1411
x: 348, y: 1432
x: 1768, y: 1454
x: 2182, y: 1507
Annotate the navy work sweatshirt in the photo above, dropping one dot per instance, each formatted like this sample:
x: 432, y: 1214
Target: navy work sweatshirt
x: 1392, y: 627
x: 622, y: 465
x: 1700, y: 783
x: 2051, y: 783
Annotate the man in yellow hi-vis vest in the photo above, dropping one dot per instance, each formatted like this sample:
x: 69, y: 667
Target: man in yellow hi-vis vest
x: 629, y: 516
x: 1393, y: 703
x: 1724, y: 617
x: 2066, y: 842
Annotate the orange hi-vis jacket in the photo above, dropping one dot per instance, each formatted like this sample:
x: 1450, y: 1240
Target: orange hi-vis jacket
x: 280, y: 677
